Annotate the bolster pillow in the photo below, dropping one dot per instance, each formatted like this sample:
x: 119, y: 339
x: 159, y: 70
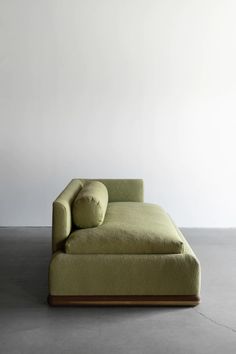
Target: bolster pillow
x: 90, y: 205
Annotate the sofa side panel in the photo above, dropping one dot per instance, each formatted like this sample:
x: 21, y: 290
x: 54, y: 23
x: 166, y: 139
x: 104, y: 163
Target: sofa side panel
x: 61, y: 214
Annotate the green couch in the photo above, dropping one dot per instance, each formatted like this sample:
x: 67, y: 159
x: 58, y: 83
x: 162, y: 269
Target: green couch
x: 137, y: 256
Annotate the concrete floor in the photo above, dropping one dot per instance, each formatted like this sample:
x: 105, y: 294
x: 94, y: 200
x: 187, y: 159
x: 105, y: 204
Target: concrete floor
x: 28, y: 325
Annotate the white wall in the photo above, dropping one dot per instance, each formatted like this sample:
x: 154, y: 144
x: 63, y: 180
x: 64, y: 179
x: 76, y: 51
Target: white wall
x: 112, y: 88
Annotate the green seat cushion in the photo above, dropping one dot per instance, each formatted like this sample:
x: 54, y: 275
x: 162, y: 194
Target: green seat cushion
x: 90, y: 205
x: 128, y: 228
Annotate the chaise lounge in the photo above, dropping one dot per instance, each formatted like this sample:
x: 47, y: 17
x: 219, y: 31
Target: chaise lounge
x: 111, y: 248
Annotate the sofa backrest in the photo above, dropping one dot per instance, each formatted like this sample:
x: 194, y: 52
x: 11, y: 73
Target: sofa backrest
x: 123, y: 190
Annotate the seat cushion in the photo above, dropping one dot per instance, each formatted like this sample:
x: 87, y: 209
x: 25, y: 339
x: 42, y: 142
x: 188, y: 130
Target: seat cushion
x: 128, y: 228
x: 90, y: 205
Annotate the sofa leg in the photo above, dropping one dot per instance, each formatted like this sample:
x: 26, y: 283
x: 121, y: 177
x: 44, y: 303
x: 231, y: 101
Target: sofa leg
x: 124, y: 300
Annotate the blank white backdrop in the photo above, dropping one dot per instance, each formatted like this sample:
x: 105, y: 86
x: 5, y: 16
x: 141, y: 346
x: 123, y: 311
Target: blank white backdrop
x: 119, y: 88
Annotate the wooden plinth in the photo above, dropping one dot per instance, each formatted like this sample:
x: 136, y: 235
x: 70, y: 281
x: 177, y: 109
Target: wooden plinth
x: 124, y: 300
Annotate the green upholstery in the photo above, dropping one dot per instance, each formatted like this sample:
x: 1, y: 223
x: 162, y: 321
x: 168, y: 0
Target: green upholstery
x: 128, y: 228
x: 119, y: 190
x: 90, y: 205
x: 61, y: 214
x: 146, y: 274
x: 124, y: 190
x: 119, y: 274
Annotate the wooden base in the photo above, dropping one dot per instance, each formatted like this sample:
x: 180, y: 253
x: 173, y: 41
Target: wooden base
x: 124, y: 300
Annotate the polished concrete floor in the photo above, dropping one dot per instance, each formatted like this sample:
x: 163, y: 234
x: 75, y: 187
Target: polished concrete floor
x: 28, y: 325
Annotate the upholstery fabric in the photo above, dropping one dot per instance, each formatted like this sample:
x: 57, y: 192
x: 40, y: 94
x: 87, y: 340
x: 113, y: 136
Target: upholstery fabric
x: 128, y: 228
x: 123, y: 190
x: 144, y: 274
x: 90, y: 205
x: 118, y: 190
x: 116, y: 274
x: 61, y: 214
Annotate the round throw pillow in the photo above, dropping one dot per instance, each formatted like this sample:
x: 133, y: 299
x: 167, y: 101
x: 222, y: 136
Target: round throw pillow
x: 90, y: 205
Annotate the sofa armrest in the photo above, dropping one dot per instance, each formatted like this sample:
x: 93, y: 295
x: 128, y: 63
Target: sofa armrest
x: 61, y: 214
